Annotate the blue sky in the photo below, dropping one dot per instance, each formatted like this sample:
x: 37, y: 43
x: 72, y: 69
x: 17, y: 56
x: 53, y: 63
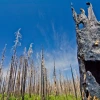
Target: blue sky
x: 43, y: 22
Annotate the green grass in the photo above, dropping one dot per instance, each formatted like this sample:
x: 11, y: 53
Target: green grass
x: 36, y: 97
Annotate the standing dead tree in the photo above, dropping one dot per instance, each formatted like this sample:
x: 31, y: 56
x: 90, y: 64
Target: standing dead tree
x: 24, y: 76
x: 3, y: 89
x: 55, y: 81
x: 42, y: 79
x: 88, y: 54
x: 9, y: 90
x: 12, y: 75
x: 18, y: 79
x: 1, y: 65
x: 31, y: 78
x: 73, y: 82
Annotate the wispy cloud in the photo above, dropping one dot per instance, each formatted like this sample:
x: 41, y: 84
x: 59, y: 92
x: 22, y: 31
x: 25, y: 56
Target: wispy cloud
x: 62, y: 59
x: 5, y: 71
x: 64, y: 53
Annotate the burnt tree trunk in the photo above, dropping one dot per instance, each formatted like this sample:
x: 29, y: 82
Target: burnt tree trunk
x: 24, y: 77
x: 88, y: 52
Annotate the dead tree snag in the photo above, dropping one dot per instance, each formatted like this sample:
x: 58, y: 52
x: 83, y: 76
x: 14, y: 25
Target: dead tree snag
x: 88, y: 53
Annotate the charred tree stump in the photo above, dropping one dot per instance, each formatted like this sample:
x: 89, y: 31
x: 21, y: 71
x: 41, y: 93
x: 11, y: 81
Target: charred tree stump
x: 88, y: 53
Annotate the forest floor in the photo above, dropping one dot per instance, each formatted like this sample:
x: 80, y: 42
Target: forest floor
x: 35, y: 97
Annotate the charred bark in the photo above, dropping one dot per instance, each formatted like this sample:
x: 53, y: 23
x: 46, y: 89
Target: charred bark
x: 88, y: 53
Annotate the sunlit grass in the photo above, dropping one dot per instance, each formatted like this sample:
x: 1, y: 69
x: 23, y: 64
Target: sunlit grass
x: 36, y: 97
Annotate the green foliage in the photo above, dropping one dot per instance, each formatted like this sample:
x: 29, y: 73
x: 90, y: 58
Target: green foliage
x: 36, y: 97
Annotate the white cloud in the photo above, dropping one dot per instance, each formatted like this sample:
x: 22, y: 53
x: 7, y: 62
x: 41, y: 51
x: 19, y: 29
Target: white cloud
x: 5, y: 71
x: 63, y: 52
x: 63, y: 60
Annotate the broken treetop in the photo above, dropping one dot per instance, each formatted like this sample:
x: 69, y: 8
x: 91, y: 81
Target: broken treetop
x: 88, y: 34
